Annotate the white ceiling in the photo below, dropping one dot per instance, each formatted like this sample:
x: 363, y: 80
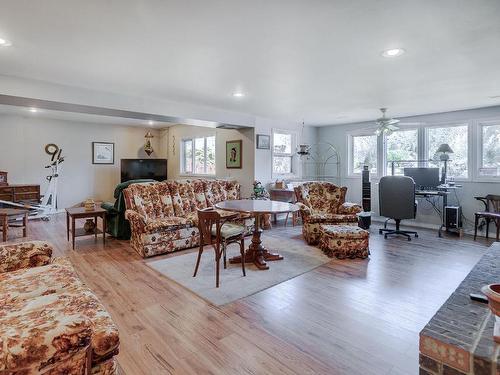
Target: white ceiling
x: 311, y: 59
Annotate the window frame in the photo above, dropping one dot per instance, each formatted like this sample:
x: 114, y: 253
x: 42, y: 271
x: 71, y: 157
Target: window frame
x: 479, y: 150
x: 183, y: 156
x: 425, y: 129
x: 350, y: 157
x: 294, y: 168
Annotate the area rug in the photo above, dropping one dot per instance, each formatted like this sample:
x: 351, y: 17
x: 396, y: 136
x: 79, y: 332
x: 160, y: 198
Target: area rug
x: 298, y: 259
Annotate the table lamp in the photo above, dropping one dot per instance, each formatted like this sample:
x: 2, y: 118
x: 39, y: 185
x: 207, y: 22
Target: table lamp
x: 444, y: 149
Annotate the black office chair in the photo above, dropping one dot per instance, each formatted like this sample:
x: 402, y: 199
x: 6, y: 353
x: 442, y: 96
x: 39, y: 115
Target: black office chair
x: 397, y: 201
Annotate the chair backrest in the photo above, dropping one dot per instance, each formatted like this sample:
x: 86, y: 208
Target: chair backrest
x: 321, y: 196
x: 207, y: 218
x: 493, y: 203
x: 397, y: 197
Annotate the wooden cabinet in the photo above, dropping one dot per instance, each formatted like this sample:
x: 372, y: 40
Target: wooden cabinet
x: 17, y: 193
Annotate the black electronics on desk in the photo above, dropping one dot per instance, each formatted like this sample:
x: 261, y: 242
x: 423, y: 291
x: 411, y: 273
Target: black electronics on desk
x: 424, y: 178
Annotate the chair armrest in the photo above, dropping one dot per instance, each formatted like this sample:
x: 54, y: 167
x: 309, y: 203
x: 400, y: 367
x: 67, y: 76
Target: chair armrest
x: 137, y: 221
x: 24, y: 255
x: 110, y: 207
x: 484, y: 200
x: 304, y: 210
x: 348, y: 208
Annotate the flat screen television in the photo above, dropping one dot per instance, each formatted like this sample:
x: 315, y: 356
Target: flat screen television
x: 134, y: 169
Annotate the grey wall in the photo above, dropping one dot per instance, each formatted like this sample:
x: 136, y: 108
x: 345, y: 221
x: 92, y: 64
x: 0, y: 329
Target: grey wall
x: 338, y: 136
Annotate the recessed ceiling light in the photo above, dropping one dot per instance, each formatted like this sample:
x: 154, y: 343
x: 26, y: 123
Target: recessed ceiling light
x: 5, y: 43
x: 238, y: 94
x: 151, y: 122
x: 393, y: 52
x: 33, y: 110
x: 494, y: 97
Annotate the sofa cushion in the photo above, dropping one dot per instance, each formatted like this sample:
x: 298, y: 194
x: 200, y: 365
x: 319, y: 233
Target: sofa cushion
x: 23, y: 255
x: 186, y: 192
x: 145, y: 200
x: 232, y: 189
x: 167, y: 223
x: 199, y: 194
x: 176, y: 199
x: 214, y: 192
x: 167, y: 205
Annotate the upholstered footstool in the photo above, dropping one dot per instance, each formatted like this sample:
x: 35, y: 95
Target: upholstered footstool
x: 344, y: 241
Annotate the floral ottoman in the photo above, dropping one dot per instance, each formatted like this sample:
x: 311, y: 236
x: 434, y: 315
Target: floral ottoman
x: 344, y: 241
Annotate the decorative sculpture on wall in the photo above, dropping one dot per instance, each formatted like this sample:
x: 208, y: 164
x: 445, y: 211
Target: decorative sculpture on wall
x: 148, y: 148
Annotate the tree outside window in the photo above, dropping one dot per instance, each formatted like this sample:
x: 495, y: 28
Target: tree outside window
x: 364, y: 152
x: 457, y: 138
x: 198, y: 156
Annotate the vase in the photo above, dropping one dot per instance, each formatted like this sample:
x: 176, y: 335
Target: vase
x: 492, y: 291
x: 89, y: 226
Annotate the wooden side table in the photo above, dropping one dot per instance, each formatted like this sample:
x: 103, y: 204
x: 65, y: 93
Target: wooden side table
x: 7, y: 214
x: 74, y: 213
x: 284, y: 195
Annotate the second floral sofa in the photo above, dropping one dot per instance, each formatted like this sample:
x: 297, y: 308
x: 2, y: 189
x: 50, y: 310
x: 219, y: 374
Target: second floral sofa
x: 163, y: 215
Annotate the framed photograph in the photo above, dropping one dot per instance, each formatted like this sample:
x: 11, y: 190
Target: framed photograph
x: 103, y: 153
x: 233, y: 154
x: 263, y: 141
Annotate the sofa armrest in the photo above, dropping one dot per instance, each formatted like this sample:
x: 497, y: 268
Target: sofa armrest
x: 24, y: 255
x: 304, y: 210
x: 348, y: 208
x: 137, y: 221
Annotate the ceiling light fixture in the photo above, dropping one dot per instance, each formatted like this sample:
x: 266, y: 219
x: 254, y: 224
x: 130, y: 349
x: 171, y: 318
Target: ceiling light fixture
x: 5, y: 43
x: 494, y: 97
x: 238, y: 94
x: 151, y: 122
x: 33, y: 110
x: 393, y: 52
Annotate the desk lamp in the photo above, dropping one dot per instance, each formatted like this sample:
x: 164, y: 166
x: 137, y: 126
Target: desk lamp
x: 444, y: 156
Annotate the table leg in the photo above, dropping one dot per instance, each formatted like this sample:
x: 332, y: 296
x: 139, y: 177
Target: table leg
x: 73, y: 231
x: 256, y: 253
x: 104, y: 229
x: 25, y: 225
x: 95, y: 227
x: 67, y: 225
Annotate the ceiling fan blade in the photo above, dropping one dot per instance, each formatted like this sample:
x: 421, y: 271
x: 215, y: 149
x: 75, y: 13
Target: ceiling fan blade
x: 410, y: 123
x: 392, y: 121
x: 392, y: 127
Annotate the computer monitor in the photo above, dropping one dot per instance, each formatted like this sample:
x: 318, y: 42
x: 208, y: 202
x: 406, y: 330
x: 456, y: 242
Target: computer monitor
x: 425, y: 178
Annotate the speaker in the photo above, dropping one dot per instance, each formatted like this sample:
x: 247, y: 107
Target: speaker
x: 366, y: 189
x: 453, y: 217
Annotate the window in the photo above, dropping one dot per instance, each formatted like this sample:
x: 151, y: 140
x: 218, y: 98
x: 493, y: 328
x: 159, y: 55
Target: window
x: 490, y: 151
x: 364, y: 152
x: 401, y: 145
x: 282, y: 152
x: 198, y: 155
x: 456, y: 137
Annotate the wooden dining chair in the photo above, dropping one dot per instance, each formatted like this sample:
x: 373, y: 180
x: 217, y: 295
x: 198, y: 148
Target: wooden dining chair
x: 218, y: 233
x: 491, y: 213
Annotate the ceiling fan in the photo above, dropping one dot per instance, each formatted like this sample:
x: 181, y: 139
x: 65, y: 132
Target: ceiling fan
x: 387, y: 125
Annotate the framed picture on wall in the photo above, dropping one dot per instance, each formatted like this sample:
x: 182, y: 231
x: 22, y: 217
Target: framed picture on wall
x: 233, y: 154
x: 263, y: 141
x: 103, y: 153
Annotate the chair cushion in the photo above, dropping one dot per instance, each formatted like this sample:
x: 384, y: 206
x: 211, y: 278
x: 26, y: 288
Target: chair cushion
x: 321, y: 197
x: 229, y: 230
x: 193, y: 216
x: 169, y: 223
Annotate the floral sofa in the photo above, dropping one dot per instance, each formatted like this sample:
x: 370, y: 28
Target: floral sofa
x: 50, y: 323
x: 163, y: 215
x: 323, y: 203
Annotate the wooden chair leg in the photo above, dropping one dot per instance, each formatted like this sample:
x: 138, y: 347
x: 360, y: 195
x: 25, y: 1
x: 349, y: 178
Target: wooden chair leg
x: 498, y: 229
x: 242, y: 253
x: 476, y: 222
x: 487, y: 227
x: 217, y: 263
x: 200, y: 251
x: 224, y: 246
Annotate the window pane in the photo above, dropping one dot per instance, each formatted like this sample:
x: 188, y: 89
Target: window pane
x: 490, y: 165
x: 199, y: 155
x: 210, y: 155
x: 188, y: 156
x: 401, y: 145
x: 456, y: 137
x: 282, y: 143
x: 282, y: 164
x: 364, y: 152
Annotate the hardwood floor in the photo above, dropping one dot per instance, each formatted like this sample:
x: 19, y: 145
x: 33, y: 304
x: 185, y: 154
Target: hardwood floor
x: 346, y: 317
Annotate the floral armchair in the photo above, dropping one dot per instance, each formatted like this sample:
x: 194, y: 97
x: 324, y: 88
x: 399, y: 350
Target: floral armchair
x: 323, y: 203
x: 50, y: 323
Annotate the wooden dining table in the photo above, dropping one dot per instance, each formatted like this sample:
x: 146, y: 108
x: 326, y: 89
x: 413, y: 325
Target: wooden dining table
x: 256, y: 252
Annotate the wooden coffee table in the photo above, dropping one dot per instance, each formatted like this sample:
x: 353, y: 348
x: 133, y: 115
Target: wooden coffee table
x: 256, y: 253
x: 7, y: 214
x: 74, y: 213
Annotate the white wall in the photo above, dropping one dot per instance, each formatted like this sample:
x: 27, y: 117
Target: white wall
x: 245, y: 175
x: 22, y: 154
x: 338, y: 135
